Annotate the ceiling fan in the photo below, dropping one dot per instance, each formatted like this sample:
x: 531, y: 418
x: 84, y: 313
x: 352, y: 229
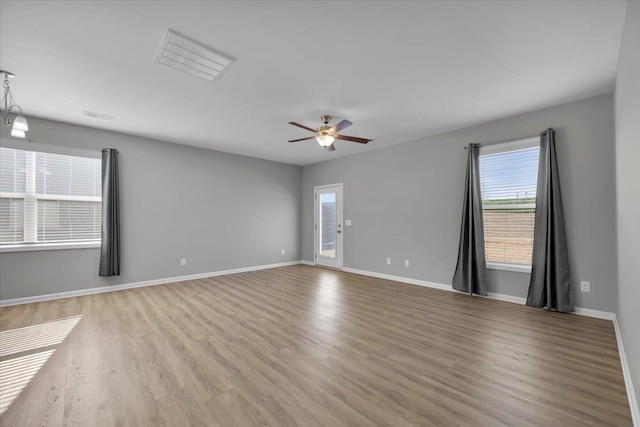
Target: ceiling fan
x: 326, y: 135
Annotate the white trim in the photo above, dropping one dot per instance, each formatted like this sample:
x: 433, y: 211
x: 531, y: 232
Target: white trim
x: 505, y: 147
x: 38, y: 196
x: 400, y: 279
x: 626, y: 373
x: 513, y: 206
x: 103, y: 289
x: 320, y: 187
x: 504, y: 297
x: 68, y: 198
x: 490, y: 295
x: 46, y: 147
x: 518, y: 268
x: 30, y: 247
x: 606, y: 315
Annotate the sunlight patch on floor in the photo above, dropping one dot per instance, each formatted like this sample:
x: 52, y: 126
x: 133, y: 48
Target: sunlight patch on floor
x: 16, y: 373
x: 21, y: 360
x: 37, y: 336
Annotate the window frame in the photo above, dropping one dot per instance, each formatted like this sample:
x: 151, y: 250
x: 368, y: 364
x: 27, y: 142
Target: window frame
x: 505, y: 147
x: 42, y: 147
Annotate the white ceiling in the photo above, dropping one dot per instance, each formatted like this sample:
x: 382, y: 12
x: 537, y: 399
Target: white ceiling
x: 397, y: 70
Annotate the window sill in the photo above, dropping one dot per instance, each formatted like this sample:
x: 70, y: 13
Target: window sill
x: 48, y: 246
x: 518, y: 268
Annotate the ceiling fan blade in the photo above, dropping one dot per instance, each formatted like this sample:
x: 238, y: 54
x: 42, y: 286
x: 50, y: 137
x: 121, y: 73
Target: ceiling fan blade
x: 353, y: 139
x: 339, y: 126
x: 331, y: 148
x: 302, y: 139
x: 302, y: 126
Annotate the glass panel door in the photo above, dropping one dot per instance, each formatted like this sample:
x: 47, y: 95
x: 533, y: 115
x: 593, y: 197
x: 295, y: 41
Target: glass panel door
x: 328, y: 233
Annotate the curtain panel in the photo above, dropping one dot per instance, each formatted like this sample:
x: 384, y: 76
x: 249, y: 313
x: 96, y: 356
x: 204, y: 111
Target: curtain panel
x: 550, y: 284
x: 471, y: 269
x: 110, y: 249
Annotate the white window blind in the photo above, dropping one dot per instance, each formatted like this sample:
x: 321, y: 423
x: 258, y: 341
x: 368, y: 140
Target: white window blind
x: 508, y: 180
x: 47, y: 197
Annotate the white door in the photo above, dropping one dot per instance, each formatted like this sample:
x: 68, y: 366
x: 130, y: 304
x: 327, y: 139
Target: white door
x: 328, y: 225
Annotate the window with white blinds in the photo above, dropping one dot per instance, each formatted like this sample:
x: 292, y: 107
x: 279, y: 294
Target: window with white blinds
x: 508, y: 180
x: 48, y: 198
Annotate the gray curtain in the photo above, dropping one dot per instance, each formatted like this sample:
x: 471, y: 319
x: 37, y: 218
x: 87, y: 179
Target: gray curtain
x: 550, y: 284
x: 471, y: 269
x: 110, y: 249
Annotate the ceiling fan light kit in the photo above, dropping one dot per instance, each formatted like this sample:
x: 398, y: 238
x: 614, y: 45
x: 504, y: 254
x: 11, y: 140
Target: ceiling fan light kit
x: 326, y: 135
x: 325, y: 140
x: 20, y: 126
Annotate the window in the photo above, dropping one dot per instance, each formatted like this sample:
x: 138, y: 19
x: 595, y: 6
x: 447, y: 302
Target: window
x: 508, y: 180
x: 48, y: 199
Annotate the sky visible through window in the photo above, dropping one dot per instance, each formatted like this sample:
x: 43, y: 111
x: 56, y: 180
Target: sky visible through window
x: 328, y: 198
x: 509, y: 175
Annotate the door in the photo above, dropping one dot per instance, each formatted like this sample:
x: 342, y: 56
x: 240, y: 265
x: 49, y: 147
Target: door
x: 328, y: 225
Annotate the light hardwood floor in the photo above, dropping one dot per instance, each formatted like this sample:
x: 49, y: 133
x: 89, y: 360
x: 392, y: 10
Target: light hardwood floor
x: 304, y: 346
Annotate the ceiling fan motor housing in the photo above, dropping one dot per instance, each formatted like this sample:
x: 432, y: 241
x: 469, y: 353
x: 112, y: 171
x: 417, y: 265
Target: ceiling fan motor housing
x: 325, y: 130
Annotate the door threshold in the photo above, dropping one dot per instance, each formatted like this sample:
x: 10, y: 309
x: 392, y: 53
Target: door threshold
x: 327, y: 267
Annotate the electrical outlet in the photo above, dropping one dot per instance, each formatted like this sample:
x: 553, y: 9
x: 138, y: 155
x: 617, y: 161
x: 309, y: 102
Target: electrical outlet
x: 183, y: 261
x: 585, y: 286
x: 388, y: 261
x: 282, y: 252
x: 406, y: 263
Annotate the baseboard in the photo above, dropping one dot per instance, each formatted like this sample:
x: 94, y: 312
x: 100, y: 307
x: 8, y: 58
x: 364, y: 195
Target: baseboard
x: 103, y: 289
x: 399, y: 279
x: 606, y: 315
x: 491, y: 295
x: 626, y: 372
x: 433, y: 285
x: 507, y: 298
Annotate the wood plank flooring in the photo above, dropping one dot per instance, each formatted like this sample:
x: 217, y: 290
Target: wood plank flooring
x: 304, y: 346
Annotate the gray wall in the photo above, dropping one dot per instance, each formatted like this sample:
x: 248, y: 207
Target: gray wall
x: 627, y: 109
x: 218, y: 210
x: 405, y: 201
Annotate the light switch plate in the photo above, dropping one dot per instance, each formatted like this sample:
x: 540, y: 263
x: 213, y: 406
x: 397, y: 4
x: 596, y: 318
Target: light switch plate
x: 347, y: 222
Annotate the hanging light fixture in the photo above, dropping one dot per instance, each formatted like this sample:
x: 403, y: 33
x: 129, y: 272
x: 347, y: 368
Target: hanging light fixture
x: 325, y: 140
x: 20, y: 125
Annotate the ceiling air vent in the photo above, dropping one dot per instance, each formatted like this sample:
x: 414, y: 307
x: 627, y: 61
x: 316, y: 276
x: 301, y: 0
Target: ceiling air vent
x: 97, y: 115
x: 188, y: 56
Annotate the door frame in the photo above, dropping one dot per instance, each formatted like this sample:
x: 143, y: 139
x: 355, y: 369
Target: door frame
x: 339, y: 223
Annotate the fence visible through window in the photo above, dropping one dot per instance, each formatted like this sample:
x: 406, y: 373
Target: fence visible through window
x: 508, y: 185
